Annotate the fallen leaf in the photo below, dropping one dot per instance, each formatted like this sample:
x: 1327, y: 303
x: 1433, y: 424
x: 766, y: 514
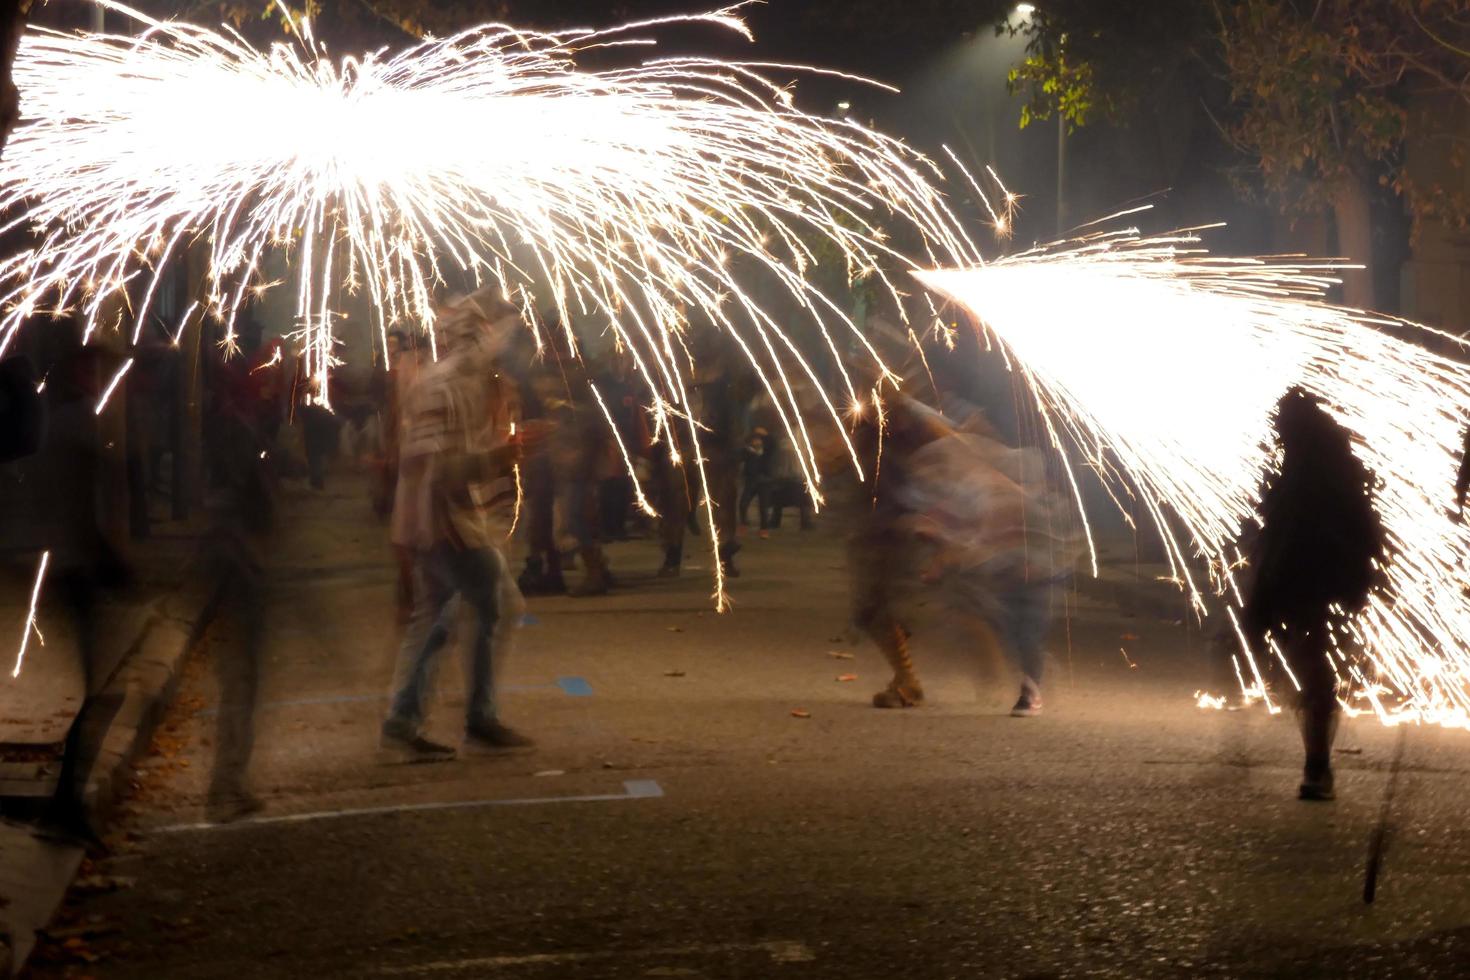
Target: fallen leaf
x: 675, y: 629
x: 800, y: 713
x: 1127, y: 637
x: 673, y: 673
x: 841, y: 655
x: 847, y: 677
x: 551, y: 772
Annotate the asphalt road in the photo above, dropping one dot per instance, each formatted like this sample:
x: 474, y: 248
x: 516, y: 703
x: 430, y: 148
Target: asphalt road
x: 677, y: 820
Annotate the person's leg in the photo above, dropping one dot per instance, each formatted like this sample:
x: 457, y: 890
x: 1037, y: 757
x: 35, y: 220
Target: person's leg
x: 872, y: 564
x: 747, y: 494
x: 1317, y: 708
x: 67, y: 809
x: 1021, y: 618
x: 484, y: 581
x: 673, y: 507
x: 237, y: 665
x: 763, y: 501
x: 476, y: 576
x: 422, y: 643
x: 721, y: 471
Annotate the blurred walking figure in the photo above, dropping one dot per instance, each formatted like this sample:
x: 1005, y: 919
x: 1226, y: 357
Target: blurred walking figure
x: 403, y: 372
x: 85, y: 561
x: 456, y: 488
x: 755, y: 480
x: 240, y: 500
x: 880, y: 552
x: 1315, y: 562
x: 786, y: 485
x: 318, y: 426
x: 672, y: 498
x: 998, y: 539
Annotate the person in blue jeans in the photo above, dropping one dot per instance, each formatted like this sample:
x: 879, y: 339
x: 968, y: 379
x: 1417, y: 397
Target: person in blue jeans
x: 455, y: 493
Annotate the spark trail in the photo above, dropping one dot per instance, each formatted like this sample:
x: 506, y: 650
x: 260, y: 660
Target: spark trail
x: 1158, y: 366
x: 632, y: 200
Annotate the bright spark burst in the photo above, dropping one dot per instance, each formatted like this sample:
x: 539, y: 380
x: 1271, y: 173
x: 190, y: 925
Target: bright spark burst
x: 627, y: 198
x: 1160, y: 365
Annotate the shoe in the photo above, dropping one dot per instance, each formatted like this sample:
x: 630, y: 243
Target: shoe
x: 1317, y: 784
x: 413, y: 747
x: 764, y: 535
x: 1028, y: 705
x: 899, y: 696
x: 673, y: 558
x: 727, y: 559
x: 495, y: 737
x: 230, y: 807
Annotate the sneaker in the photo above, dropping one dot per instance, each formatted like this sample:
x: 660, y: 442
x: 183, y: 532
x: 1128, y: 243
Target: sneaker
x: 1317, y: 785
x: 495, y: 737
x: 1026, y: 707
x: 413, y: 747
x: 229, y: 807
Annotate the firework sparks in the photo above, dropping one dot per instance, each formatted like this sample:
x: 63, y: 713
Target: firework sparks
x: 1160, y: 366
x: 30, y: 625
x: 621, y: 198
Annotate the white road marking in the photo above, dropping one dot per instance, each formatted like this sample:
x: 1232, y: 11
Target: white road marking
x: 633, y: 789
x: 780, y: 951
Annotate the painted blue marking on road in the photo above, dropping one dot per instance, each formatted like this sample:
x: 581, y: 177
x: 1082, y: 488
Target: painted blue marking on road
x: 633, y: 789
x: 574, y: 686
x: 643, y: 789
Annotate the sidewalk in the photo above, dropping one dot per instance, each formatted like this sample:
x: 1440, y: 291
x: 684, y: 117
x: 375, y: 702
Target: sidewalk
x: 144, y: 636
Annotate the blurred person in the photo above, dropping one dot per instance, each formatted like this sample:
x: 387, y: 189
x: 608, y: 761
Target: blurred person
x: 722, y: 388
x: 755, y: 480
x: 672, y: 499
x: 786, y: 486
x: 240, y: 502
x: 615, y: 486
x: 85, y: 563
x: 880, y: 552
x: 319, y: 427
x: 1314, y: 561
x: 456, y: 486
x: 403, y: 371
x: 996, y: 538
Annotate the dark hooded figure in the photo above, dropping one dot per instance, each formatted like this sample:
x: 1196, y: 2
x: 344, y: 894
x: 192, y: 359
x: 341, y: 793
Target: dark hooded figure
x: 1315, y: 560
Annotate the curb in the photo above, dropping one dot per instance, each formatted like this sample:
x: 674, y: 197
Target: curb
x: 144, y: 687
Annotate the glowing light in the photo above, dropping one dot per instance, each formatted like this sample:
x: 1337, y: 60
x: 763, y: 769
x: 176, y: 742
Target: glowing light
x: 630, y: 199
x: 515, y: 472
x: 1025, y: 9
x: 30, y: 625
x: 1160, y: 365
x: 112, y: 385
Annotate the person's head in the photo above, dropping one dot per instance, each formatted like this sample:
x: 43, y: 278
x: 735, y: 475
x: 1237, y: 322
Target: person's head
x: 1304, y: 427
x: 396, y: 343
x: 477, y: 329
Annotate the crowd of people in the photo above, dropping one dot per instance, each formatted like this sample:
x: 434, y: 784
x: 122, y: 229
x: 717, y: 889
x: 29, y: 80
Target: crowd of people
x: 494, y: 435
